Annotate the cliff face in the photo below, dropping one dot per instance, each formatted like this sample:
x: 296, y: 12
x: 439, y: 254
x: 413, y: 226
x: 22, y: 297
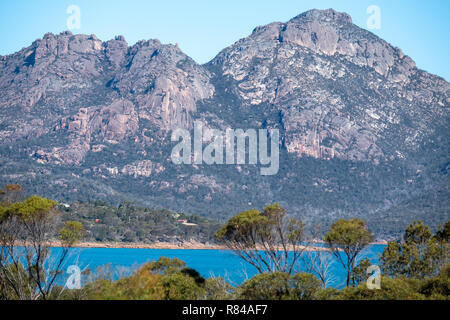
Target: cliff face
x: 362, y: 128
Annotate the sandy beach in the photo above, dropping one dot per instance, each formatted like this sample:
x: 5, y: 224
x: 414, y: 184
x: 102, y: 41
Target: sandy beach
x: 156, y: 245
x: 189, y: 245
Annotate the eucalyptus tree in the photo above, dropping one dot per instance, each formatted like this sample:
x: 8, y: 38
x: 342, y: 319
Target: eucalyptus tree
x: 28, y: 268
x: 268, y: 240
x: 346, y: 239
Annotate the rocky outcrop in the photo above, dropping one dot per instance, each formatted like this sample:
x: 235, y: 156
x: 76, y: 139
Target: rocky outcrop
x: 165, y: 83
x: 112, y: 124
x: 73, y: 64
x: 143, y: 168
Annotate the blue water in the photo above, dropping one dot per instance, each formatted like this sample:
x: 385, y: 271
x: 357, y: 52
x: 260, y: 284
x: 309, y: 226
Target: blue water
x: 218, y: 263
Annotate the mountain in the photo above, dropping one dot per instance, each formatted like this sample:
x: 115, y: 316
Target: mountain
x: 364, y: 132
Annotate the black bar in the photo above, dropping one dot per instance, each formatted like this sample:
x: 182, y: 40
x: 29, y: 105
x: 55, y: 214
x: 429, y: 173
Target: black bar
x: 169, y: 310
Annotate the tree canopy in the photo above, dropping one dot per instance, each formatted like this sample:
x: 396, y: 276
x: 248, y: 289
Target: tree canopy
x: 349, y: 237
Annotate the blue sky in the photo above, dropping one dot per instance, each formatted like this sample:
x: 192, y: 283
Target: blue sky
x: 203, y: 27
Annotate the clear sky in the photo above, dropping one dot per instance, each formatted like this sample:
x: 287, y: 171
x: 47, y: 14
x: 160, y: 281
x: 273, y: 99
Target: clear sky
x: 203, y: 27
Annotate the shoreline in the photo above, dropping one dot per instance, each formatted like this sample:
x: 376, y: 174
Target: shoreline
x: 188, y: 245
x: 156, y: 245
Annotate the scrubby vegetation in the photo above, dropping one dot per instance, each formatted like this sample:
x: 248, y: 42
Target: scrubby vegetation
x: 170, y: 279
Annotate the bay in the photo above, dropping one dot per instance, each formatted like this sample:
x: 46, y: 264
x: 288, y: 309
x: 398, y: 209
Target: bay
x: 209, y: 263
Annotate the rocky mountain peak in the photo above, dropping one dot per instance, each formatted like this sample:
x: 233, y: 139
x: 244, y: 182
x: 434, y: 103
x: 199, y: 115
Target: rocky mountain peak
x: 66, y: 43
x: 323, y: 16
x: 305, y: 66
x: 332, y: 33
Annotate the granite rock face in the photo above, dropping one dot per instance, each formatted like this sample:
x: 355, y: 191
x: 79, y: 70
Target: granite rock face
x: 362, y: 128
x: 165, y: 83
x: 66, y: 73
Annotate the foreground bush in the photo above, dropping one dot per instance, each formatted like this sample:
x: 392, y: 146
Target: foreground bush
x: 279, y: 286
x: 165, y: 279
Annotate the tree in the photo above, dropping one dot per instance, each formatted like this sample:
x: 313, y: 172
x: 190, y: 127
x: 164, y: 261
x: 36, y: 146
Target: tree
x: 419, y: 255
x: 319, y: 263
x: 391, y: 289
x: 218, y: 289
x: 360, y: 275
x: 443, y: 234
x: 70, y: 233
x: 349, y: 237
x: 27, y: 268
x: 266, y: 240
x: 266, y: 286
x: 179, y: 286
x: 279, y: 286
x: 305, y: 286
x: 165, y: 279
x: 164, y: 266
x: 437, y: 287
